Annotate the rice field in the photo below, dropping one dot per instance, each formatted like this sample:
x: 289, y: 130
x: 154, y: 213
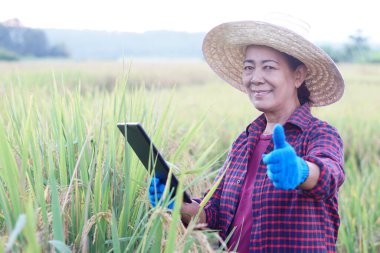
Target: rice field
x: 70, y: 183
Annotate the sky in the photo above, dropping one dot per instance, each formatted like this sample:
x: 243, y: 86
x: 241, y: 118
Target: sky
x: 329, y: 20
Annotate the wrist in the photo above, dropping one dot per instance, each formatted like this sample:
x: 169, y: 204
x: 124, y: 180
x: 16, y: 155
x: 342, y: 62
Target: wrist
x: 304, y: 170
x: 313, y: 177
x: 190, y: 210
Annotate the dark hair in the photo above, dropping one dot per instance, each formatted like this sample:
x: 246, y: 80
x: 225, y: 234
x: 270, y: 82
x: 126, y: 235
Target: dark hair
x: 303, y: 93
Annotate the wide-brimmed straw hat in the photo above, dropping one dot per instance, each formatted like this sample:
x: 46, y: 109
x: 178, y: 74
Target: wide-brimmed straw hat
x: 224, y: 50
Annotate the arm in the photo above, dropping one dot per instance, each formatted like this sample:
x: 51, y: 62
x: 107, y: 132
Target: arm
x: 190, y: 210
x: 319, y: 173
x: 312, y: 180
x: 325, y: 151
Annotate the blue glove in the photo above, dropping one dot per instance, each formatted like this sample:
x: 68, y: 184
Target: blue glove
x: 156, y: 189
x: 284, y: 167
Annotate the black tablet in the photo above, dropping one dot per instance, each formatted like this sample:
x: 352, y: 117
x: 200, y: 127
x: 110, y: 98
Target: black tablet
x: 144, y: 147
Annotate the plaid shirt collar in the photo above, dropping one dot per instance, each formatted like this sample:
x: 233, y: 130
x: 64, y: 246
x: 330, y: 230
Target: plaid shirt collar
x: 300, y: 118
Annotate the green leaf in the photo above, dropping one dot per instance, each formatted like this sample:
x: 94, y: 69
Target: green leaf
x: 55, y: 204
x: 176, y: 216
x: 115, y: 236
x: 20, y: 224
x: 60, y: 246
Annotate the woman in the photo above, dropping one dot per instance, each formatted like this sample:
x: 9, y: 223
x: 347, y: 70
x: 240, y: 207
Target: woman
x: 279, y: 190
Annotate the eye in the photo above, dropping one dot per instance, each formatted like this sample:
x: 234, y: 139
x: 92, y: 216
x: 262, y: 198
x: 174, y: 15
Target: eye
x: 248, y: 67
x: 268, y: 67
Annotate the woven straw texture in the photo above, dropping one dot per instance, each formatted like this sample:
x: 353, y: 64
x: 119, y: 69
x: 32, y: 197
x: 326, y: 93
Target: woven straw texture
x: 224, y: 50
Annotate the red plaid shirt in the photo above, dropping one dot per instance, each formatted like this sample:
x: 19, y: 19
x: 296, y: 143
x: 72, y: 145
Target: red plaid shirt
x: 285, y: 220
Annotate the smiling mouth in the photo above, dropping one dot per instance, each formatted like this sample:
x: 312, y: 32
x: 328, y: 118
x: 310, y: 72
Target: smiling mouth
x: 261, y: 92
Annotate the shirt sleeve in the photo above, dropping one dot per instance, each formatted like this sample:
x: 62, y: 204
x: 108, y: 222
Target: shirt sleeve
x: 325, y: 149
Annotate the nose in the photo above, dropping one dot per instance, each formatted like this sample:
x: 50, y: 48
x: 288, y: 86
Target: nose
x: 256, y: 77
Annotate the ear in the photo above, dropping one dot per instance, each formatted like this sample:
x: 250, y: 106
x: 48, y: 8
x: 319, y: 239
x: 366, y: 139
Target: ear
x: 300, y: 75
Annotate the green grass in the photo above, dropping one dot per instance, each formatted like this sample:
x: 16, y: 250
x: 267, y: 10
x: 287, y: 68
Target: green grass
x: 70, y: 182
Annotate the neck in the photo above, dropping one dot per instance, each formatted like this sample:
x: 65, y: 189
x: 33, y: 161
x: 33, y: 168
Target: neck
x: 278, y: 117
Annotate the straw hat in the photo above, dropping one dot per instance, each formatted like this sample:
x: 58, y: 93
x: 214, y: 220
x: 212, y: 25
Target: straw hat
x: 224, y: 50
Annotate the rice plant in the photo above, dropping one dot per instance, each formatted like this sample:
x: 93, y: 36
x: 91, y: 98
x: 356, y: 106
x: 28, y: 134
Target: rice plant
x: 69, y: 182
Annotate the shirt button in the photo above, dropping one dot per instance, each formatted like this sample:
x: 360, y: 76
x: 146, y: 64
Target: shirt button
x: 238, y: 181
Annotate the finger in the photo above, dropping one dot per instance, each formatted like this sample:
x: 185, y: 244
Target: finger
x: 277, y: 185
x: 152, y: 189
x: 154, y: 181
x: 161, y: 188
x: 270, y: 174
x: 279, y: 137
x: 154, y: 185
x: 275, y: 177
x: 270, y: 158
x: 171, y: 205
x: 274, y: 167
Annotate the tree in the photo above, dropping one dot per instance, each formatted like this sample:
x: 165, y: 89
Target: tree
x: 58, y: 50
x: 5, y: 39
x: 35, y: 43
x: 357, y: 50
x: 21, y: 41
x: 336, y: 54
x: 6, y: 55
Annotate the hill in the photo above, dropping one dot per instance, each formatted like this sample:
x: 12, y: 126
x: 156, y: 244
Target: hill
x: 88, y: 44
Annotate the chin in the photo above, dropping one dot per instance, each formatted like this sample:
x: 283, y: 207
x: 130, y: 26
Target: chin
x: 260, y: 105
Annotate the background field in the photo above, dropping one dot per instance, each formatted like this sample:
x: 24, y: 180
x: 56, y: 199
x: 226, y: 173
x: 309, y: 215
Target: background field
x: 69, y: 183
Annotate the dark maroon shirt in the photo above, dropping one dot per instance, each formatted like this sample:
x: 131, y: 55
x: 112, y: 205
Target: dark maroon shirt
x: 243, y: 217
x: 284, y: 220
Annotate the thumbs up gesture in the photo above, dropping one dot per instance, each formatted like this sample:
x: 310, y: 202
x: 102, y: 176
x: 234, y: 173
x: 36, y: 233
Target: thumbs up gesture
x: 284, y: 167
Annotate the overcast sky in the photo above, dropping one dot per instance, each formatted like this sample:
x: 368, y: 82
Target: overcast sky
x: 330, y: 20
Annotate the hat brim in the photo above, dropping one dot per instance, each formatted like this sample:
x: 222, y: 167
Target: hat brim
x: 224, y: 50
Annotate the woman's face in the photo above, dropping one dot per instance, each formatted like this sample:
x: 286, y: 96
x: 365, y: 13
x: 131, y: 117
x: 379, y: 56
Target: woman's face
x: 270, y: 82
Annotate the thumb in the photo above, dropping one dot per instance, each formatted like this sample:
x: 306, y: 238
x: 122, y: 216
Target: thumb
x: 279, y: 137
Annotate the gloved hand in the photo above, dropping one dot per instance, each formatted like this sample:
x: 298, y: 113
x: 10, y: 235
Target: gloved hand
x: 156, y: 189
x: 284, y: 167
